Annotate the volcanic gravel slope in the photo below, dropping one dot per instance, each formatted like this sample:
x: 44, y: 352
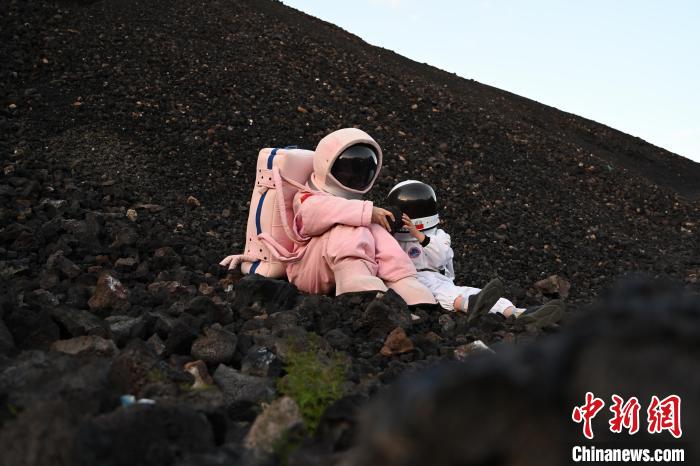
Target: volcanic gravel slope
x: 129, y: 133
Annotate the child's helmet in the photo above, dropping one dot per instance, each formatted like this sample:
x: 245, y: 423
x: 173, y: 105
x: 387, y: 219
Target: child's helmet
x: 417, y: 200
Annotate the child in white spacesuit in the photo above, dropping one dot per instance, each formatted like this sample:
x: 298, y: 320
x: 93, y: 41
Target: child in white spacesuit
x: 429, y: 247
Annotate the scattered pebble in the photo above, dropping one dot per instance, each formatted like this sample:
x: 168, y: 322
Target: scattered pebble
x: 397, y: 343
x: 193, y: 202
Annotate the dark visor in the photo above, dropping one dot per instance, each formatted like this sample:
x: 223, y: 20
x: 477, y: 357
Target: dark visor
x: 355, y: 167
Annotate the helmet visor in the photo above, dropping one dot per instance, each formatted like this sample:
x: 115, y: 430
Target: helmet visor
x: 355, y: 167
x: 415, y: 199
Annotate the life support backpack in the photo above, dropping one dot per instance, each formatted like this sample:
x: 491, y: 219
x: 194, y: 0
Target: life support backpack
x: 280, y: 173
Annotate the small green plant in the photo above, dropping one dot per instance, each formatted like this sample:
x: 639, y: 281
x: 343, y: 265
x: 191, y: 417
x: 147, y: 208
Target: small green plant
x: 155, y: 375
x: 314, y: 380
x: 12, y: 409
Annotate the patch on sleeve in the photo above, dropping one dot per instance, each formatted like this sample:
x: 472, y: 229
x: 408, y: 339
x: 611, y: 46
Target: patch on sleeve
x: 414, y: 252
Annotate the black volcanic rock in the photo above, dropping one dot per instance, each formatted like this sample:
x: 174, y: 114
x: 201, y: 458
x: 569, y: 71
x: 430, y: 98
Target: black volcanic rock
x: 181, y: 335
x: 216, y: 346
x: 123, y: 328
x: 638, y: 342
x: 137, y: 366
x: 261, y: 362
x: 48, y: 395
x: 210, y: 311
x: 270, y: 294
x: 383, y: 314
x: 78, y: 322
x: 7, y: 342
x: 142, y: 434
x: 32, y: 328
x: 238, y: 387
x: 165, y: 258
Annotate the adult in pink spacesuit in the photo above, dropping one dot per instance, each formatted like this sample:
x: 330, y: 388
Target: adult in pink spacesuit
x: 347, y: 243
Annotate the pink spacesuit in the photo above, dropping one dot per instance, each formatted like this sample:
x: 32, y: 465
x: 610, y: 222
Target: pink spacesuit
x: 337, y: 247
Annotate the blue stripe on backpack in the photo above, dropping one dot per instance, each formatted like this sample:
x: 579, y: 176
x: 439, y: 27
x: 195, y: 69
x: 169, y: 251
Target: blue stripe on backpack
x: 258, y: 209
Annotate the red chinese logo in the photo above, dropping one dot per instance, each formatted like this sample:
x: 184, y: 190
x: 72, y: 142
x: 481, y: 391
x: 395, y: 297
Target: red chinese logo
x: 665, y: 415
x: 587, y: 412
x: 625, y: 415
x: 661, y: 415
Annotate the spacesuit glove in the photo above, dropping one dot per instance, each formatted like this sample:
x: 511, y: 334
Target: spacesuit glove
x: 233, y: 261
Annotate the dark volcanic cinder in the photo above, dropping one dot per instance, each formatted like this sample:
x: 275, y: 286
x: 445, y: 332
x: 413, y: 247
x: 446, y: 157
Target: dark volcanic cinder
x: 116, y: 116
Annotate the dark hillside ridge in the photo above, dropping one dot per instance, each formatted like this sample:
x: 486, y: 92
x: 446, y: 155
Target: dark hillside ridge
x: 615, y: 147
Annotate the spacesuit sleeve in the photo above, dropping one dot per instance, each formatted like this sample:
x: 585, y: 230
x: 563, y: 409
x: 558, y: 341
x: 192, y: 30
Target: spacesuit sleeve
x: 438, y: 252
x: 314, y: 214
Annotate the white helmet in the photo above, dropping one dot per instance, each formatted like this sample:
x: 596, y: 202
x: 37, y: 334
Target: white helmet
x: 417, y: 200
x: 346, y: 163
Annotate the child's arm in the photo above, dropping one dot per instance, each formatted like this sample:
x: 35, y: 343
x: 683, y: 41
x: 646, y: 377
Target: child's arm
x: 437, y: 249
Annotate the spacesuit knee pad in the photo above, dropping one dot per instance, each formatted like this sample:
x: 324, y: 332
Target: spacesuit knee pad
x: 412, y: 291
x: 355, y: 275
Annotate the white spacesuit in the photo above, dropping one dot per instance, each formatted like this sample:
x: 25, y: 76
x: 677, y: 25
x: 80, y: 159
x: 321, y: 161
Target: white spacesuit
x: 433, y: 256
x: 435, y: 270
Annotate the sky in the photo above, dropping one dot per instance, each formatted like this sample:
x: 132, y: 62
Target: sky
x: 631, y: 65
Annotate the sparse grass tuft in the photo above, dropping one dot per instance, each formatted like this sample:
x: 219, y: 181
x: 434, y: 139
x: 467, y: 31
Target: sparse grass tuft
x: 155, y: 375
x: 12, y: 409
x: 314, y: 380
